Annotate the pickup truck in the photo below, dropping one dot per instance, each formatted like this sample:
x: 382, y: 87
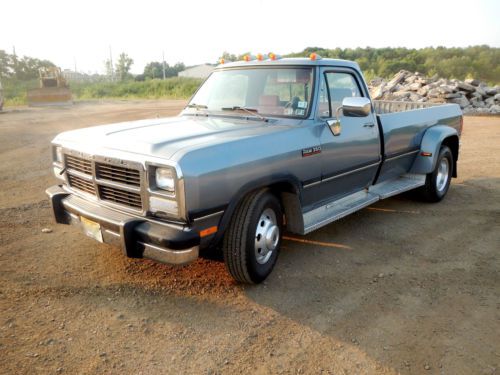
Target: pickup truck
x: 264, y: 146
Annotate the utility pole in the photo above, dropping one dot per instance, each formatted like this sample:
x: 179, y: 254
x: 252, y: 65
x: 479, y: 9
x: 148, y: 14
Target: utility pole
x: 163, y: 57
x: 74, y: 61
x: 111, y: 63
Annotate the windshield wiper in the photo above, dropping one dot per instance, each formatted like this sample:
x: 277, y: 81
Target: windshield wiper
x: 251, y: 111
x: 196, y: 106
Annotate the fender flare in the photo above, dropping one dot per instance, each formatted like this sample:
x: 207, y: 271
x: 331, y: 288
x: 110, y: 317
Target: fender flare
x: 431, y: 143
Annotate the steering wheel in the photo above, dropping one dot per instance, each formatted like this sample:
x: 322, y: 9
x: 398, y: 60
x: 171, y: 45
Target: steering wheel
x: 294, y: 103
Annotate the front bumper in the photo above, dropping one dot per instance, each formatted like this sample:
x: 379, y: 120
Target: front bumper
x: 138, y: 237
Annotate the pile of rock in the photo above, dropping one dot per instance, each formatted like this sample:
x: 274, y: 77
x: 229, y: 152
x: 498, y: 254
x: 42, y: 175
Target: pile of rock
x: 472, y: 95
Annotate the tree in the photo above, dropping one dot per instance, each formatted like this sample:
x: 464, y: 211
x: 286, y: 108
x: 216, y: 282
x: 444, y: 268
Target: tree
x: 108, y: 68
x: 123, y: 66
x: 155, y: 70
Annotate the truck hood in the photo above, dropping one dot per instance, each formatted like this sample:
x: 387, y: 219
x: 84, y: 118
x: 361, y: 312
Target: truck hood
x: 164, y: 137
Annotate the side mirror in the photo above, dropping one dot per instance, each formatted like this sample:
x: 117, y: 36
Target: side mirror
x: 356, y: 106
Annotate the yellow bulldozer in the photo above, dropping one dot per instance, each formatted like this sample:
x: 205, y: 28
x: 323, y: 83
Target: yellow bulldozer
x: 53, y: 90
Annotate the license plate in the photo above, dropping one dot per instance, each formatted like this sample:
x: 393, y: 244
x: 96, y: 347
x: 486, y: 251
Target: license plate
x: 91, y: 229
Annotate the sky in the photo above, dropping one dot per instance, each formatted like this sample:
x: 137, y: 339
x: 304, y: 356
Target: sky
x: 81, y: 32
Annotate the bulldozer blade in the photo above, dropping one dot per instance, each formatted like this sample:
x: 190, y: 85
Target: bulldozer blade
x: 49, y: 96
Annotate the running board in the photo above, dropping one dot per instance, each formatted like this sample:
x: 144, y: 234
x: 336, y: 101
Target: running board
x: 398, y: 185
x: 340, y: 208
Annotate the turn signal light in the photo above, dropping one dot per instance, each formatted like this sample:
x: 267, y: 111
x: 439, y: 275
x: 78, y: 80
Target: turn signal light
x: 208, y: 231
x: 423, y: 153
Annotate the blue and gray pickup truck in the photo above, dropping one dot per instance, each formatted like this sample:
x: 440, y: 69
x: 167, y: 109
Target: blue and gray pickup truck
x: 264, y: 146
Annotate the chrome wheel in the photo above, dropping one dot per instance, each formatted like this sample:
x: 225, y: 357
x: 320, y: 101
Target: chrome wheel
x: 442, y: 174
x: 267, y: 236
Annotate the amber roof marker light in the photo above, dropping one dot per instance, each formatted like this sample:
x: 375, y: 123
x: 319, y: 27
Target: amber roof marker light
x: 314, y: 56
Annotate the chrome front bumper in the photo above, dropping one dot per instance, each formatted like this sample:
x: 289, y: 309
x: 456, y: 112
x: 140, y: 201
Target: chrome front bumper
x: 138, y: 237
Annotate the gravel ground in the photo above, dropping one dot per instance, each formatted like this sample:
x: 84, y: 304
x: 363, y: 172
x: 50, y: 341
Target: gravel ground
x: 400, y: 287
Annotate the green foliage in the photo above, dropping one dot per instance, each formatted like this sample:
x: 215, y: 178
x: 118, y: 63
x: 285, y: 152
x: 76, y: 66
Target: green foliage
x: 123, y: 66
x: 480, y: 62
x: 24, y: 68
x: 155, y: 70
x: 170, y: 88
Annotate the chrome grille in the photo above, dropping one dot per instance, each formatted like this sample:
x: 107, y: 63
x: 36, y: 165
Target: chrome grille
x: 120, y: 196
x: 118, y: 174
x: 106, y: 175
x: 79, y: 164
x: 81, y: 184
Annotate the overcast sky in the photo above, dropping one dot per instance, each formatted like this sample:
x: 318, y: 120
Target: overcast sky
x: 197, y: 31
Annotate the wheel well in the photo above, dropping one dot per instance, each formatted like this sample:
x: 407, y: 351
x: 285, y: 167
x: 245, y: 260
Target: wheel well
x: 452, y: 143
x: 289, y: 197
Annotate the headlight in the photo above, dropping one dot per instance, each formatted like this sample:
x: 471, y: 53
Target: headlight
x: 58, y: 154
x: 165, y: 179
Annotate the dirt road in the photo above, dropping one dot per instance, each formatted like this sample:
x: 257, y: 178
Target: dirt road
x: 401, y: 287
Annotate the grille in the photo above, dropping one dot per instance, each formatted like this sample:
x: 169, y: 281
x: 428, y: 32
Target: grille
x: 104, y: 172
x: 120, y: 196
x: 118, y: 174
x: 81, y: 184
x: 79, y: 164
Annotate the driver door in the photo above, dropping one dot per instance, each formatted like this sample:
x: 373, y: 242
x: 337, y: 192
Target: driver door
x: 350, y: 160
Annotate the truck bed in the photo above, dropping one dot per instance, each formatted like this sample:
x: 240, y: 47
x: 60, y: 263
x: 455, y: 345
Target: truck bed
x: 403, y: 125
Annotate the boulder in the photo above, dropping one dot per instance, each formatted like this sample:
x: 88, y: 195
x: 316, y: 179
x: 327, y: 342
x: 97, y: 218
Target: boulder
x: 415, y: 86
x: 462, y: 101
x: 495, y: 108
x: 466, y: 86
x: 473, y: 82
x: 491, y: 90
x: 452, y: 95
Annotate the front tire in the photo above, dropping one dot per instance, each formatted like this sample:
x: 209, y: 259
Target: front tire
x: 252, y: 241
x: 438, y: 181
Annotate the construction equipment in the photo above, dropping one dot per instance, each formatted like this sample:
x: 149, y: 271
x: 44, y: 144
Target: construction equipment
x: 53, y: 90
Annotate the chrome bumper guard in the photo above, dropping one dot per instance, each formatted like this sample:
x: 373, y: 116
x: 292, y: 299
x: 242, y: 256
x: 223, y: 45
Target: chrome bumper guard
x: 138, y: 237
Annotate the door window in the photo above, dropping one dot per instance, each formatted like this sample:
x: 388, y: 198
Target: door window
x: 334, y: 87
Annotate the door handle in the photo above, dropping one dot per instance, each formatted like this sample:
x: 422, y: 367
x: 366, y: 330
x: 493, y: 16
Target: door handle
x: 369, y: 125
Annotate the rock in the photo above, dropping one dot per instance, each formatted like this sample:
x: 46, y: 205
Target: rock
x: 466, y: 86
x: 495, y: 108
x: 427, y: 367
x: 433, y: 93
x: 462, y: 101
x: 380, y: 275
x: 415, y: 86
x: 401, y: 94
x: 491, y: 90
x: 497, y: 97
x: 399, y: 77
x: 423, y: 90
x: 473, y: 82
x: 452, y: 95
x: 415, y: 97
x: 379, y: 92
x: 480, y: 91
x: 46, y: 230
x: 446, y: 89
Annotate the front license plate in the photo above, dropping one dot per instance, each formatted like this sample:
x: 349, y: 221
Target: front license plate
x: 91, y: 229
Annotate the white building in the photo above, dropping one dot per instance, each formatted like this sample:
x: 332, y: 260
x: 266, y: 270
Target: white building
x: 198, y: 71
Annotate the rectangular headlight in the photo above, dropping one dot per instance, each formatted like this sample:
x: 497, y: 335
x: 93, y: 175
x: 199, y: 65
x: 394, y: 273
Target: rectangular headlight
x: 165, y: 179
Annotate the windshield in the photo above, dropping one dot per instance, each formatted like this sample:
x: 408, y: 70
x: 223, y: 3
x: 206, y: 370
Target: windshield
x: 283, y: 92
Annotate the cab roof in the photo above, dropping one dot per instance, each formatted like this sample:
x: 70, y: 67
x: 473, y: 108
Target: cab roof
x: 291, y: 61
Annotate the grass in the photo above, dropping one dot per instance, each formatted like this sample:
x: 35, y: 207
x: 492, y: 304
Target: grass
x: 170, y: 88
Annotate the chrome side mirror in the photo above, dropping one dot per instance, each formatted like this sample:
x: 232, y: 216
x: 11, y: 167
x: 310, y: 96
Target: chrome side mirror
x: 356, y: 106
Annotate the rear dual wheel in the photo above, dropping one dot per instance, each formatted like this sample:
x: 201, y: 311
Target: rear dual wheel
x: 438, y: 181
x: 252, y: 241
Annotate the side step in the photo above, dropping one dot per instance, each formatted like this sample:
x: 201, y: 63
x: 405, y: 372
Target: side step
x: 398, y: 185
x: 340, y: 208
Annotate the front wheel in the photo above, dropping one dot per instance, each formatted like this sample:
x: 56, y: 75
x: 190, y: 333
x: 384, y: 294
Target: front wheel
x: 253, y: 238
x: 438, y: 181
